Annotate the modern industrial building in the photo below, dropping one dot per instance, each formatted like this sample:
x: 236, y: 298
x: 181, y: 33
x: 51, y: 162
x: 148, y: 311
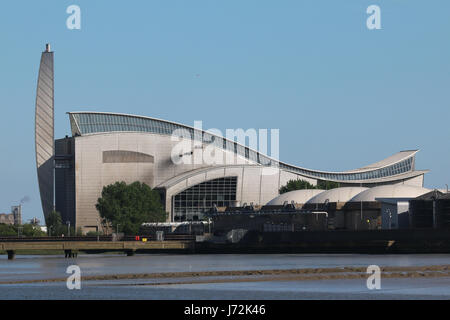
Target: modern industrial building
x: 13, y: 218
x: 359, y: 208
x: 431, y: 210
x: 386, y: 207
x: 107, y: 147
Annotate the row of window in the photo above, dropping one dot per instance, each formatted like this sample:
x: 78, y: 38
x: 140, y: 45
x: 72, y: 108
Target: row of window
x: 201, y: 197
x: 93, y: 122
x: 398, y: 168
x: 207, y: 196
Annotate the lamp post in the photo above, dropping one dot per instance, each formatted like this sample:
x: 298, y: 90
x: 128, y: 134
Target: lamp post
x: 68, y: 228
x: 388, y: 211
x: 434, y: 198
x: 361, y: 205
x: 19, y: 229
x: 98, y: 230
x: 325, y: 208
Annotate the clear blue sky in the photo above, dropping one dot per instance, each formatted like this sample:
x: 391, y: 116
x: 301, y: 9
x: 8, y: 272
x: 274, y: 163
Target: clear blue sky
x: 342, y: 96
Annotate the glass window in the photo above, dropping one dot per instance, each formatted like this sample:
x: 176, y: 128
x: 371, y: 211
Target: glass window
x: 202, y: 197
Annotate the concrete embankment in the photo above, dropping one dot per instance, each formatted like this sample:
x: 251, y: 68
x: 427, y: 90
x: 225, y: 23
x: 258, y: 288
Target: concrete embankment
x: 367, y: 241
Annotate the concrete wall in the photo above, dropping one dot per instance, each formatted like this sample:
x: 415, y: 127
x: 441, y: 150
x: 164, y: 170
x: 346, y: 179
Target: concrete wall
x: 102, y: 159
x: 254, y: 184
x: 7, y: 218
x: 92, y: 172
x: 416, y: 181
x: 44, y: 132
x: 65, y: 179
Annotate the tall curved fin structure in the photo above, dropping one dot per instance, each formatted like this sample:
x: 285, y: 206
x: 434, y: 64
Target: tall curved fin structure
x: 44, y: 131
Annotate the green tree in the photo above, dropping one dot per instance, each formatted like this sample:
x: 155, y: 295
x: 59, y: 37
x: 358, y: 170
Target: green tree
x: 126, y: 207
x: 296, y: 185
x: 30, y: 230
x: 27, y: 230
x: 7, y: 230
x: 302, y: 184
x: 327, y: 185
x: 54, y: 224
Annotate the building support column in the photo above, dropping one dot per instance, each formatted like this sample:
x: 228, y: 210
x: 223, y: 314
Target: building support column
x: 434, y: 215
x: 11, y: 254
x: 70, y: 253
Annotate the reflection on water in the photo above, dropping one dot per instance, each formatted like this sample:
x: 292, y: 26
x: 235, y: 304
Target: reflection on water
x: 416, y: 288
x: 46, y: 267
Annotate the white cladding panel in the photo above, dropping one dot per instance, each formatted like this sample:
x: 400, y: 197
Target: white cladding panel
x: 268, y: 183
x: 44, y: 132
x: 416, y: 181
x: 254, y: 185
x: 251, y: 186
x: 91, y: 174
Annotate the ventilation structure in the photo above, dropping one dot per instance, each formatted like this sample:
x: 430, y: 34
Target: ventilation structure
x: 44, y: 131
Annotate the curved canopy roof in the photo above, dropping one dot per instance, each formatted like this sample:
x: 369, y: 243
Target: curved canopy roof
x: 298, y: 196
x: 396, y: 167
x: 337, y: 195
x: 390, y: 191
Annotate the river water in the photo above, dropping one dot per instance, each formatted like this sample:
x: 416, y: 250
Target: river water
x: 51, y: 267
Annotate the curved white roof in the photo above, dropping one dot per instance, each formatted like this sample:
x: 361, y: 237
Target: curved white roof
x: 298, y: 196
x: 396, y: 167
x: 337, y: 195
x: 390, y: 191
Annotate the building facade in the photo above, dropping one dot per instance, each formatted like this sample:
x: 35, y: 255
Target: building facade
x: 44, y: 130
x: 107, y: 147
x: 13, y: 218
